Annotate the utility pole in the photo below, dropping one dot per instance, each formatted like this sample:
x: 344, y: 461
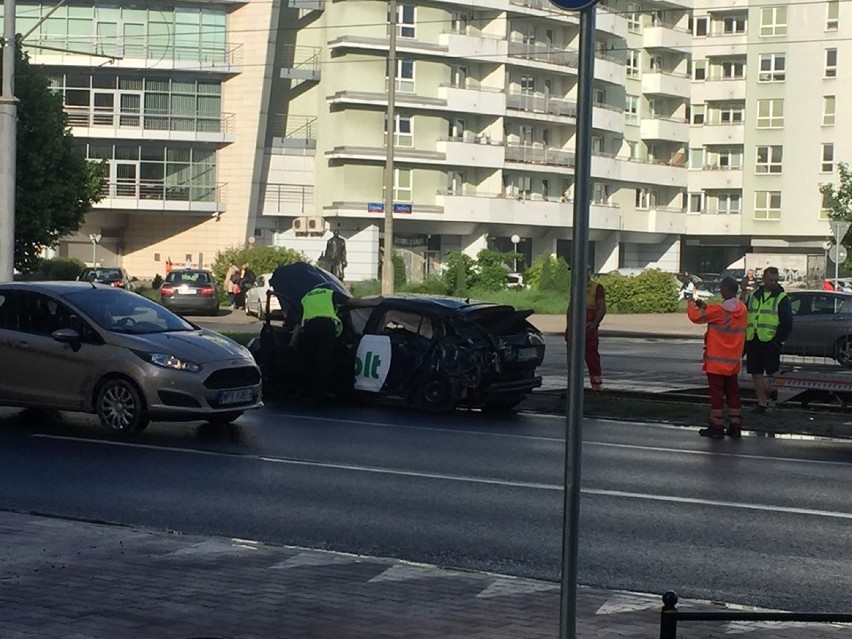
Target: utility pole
x: 8, y: 145
x: 390, y: 126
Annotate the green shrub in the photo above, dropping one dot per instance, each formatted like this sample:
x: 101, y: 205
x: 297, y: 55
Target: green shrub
x: 549, y: 273
x: 261, y: 259
x: 150, y: 293
x: 56, y: 269
x: 651, y: 291
x: 432, y: 285
x: 399, y: 276
x: 367, y: 288
x: 459, y: 276
x: 491, y: 270
x: 547, y: 302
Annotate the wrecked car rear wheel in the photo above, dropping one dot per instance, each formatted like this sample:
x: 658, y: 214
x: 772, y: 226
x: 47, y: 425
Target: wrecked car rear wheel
x: 435, y: 394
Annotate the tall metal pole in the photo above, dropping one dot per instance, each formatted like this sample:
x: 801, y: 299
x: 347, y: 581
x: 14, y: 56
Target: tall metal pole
x: 390, y: 125
x: 8, y: 145
x: 579, y: 265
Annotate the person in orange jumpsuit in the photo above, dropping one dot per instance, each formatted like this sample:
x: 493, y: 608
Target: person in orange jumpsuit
x: 724, y: 342
x: 595, y: 312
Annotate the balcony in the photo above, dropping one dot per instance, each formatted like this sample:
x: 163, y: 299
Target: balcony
x: 719, y: 178
x: 404, y: 45
x: 294, y: 131
x: 560, y: 59
x: 307, y: 5
x: 157, y: 195
x: 288, y: 199
x: 606, y: 117
x: 722, y: 90
x: 470, y: 153
x: 718, y: 134
x: 539, y: 155
x: 379, y: 153
x: 533, y: 103
x: 364, y: 98
x: 610, y: 69
x: 481, y: 100
x: 710, y: 224
x: 660, y: 173
x: 150, y: 124
x: 667, y: 37
x: 607, y: 21
x: 657, y: 219
x: 677, y: 85
x: 477, y: 46
x: 301, y: 64
x: 659, y: 128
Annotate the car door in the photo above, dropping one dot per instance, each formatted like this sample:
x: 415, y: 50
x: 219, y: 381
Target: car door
x: 51, y: 373
x: 817, y: 324
x: 11, y: 388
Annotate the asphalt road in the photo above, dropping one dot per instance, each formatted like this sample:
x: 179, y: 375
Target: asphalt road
x: 756, y: 521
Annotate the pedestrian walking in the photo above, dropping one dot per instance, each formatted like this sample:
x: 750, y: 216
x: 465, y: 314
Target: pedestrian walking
x: 245, y: 281
x: 723, y: 351
x: 747, y: 285
x: 595, y: 311
x: 232, y: 283
x: 320, y: 328
x: 770, y: 320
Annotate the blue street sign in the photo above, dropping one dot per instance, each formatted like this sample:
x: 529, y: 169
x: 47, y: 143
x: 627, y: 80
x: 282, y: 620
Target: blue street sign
x: 573, y: 5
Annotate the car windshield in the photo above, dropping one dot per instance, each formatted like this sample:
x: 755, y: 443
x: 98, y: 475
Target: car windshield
x: 188, y: 277
x: 101, y: 274
x: 123, y: 312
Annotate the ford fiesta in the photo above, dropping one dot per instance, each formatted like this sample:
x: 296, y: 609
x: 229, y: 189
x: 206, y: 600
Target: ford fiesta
x: 90, y: 348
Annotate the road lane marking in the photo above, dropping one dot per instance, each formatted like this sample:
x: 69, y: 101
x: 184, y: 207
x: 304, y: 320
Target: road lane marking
x: 377, y: 470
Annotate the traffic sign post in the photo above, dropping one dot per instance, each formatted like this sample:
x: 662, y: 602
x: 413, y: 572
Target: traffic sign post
x: 577, y: 318
x: 837, y: 253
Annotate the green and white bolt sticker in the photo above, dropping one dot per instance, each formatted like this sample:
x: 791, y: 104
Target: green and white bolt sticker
x: 372, y: 362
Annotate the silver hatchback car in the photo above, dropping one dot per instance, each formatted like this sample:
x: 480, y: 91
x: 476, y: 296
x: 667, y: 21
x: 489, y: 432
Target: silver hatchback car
x: 91, y: 348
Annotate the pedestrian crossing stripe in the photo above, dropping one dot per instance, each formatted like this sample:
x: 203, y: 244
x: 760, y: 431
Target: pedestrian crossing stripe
x: 629, y: 603
x: 406, y: 572
x: 214, y: 547
x: 311, y: 559
x: 507, y: 587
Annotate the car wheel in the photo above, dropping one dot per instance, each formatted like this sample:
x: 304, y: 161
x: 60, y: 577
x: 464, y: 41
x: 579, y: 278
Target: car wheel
x: 223, y: 419
x: 843, y: 351
x: 120, y: 407
x: 435, y: 394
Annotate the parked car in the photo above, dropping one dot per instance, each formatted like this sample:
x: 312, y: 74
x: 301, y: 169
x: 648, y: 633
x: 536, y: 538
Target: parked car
x: 257, y: 296
x: 96, y: 349
x: 822, y: 325
x: 434, y: 352
x: 190, y: 291
x: 113, y: 276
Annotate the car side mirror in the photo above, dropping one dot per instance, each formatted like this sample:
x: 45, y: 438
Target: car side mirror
x: 67, y: 336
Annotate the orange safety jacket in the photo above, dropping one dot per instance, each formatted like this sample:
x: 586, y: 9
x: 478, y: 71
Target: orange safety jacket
x: 727, y: 324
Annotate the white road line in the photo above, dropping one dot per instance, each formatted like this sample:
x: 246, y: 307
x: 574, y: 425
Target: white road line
x: 356, y: 468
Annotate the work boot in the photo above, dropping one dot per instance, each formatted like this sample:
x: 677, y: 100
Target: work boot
x: 712, y: 433
x: 734, y: 432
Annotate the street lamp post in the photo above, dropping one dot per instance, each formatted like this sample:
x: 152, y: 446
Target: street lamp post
x: 516, y: 240
x: 8, y: 142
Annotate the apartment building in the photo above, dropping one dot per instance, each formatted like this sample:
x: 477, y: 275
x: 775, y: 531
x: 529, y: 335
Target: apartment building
x: 230, y: 121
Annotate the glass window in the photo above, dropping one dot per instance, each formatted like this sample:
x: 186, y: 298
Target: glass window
x: 827, y: 165
x: 731, y: 114
x: 696, y: 202
x: 403, y: 132
x: 767, y: 205
x: 770, y: 113
x: 830, y: 63
x: 700, y: 26
x: 769, y: 159
x: 733, y: 69
x: 632, y: 68
x: 699, y: 70
x: 696, y: 158
x: 729, y: 203
x: 697, y: 111
x: 405, y: 76
x: 631, y: 110
x: 634, y: 17
x: 405, y: 21
x: 733, y: 25
x: 828, y: 110
x: 832, y: 18
x: 772, y: 67
x: 773, y: 21
x: 402, y: 185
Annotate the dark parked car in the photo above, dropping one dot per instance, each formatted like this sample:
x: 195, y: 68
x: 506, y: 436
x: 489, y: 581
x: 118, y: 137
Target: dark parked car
x: 190, y: 291
x: 434, y: 352
x: 113, y: 276
x: 822, y: 325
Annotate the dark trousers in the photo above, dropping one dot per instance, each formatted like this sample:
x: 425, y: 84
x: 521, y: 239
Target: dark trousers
x: 593, y: 359
x: 722, y: 388
x: 316, y: 345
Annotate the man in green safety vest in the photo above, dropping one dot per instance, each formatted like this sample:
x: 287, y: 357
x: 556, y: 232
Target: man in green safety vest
x: 320, y: 327
x: 770, y: 320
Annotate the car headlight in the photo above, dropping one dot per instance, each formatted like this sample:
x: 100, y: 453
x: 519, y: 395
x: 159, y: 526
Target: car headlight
x: 170, y: 361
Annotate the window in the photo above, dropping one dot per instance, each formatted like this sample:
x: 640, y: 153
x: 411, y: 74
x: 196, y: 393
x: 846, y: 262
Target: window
x: 634, y: 17
x: 527, y: 84
x: 405, y: 76
x: 729, y: 203
x: 734, y: 24
x: 402, y: 185
x: 696, y: 158
x: 830, y: 63
x: 832, y: 16
x: 731, y: 114
x: 458, y: 76
x: 655, y: 63
x: 600, y: 95
x: 397, y: 322
x: 696, y: 202
x: 767, y: 205
x: 631, y: 110
x: 827, y: 165
x: 700, y: 26
x: 402, y: 134
x: 600, y: 193
x: 646, y: 199
x: 773, y: 21
x: 405, y: 21
x: 770, y: 114
x: 699, y: 70
x: 730, y: 159
x: 769, y: 159
x: 632, y: 68
x: 828, y: 107
x: 825, y: 208
x: 459, y: 22
x: 697, y: 112
x: 733, y: 69
x: 772, y: 67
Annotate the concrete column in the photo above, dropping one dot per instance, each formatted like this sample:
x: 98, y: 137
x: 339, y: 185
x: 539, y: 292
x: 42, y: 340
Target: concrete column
x: 473, y: 244
x: 670, y: 255
x: 543, y: 246
x: 607, y: 253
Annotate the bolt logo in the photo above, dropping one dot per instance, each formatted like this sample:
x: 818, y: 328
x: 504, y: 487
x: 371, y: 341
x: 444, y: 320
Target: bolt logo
x: 372, y: 362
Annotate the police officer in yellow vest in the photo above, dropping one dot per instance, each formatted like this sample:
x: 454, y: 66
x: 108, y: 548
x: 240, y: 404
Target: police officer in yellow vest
x: 770, y: 320
x: 320, y: 327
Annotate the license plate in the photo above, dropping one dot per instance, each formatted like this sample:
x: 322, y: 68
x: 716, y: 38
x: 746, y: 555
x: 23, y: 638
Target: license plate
x: 235, y: 396
x: 187, y: 290
x: 527, y: 353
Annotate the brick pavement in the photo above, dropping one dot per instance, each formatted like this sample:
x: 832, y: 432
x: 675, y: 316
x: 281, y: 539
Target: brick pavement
x: 81, y: 580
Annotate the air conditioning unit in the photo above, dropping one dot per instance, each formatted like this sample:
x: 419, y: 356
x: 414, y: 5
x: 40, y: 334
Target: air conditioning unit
x: 315, y: 224
x: 300, y: 225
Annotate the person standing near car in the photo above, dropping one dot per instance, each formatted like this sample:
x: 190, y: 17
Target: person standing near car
x: 770, y: 321
x: 232, y: 280
x: 595, y: 312
x: 723, y: 349
x: 320, y: 328
x: 747, y: 285
x: 244, y: 283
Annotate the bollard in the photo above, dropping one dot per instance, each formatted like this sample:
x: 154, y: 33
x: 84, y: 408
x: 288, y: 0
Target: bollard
x: 668, y: 616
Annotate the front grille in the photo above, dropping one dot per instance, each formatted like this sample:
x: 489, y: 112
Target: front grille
x: 233, y: 378
x: 170, y: 398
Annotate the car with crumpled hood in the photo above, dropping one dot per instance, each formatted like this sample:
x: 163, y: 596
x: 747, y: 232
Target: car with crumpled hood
x: 434, y: 352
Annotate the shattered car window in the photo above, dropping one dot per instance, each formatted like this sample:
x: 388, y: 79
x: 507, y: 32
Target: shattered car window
x: 405, y: 322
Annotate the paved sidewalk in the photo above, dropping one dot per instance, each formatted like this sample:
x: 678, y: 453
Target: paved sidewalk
x: 78, y: 580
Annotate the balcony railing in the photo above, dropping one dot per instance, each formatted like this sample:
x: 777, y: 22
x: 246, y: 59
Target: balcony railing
x: 148, y: 120
x: 290, y: 199
x: 160, y: 190
x: 539, y: 155
x: 541, y: 104
x: 294, y: 127
x: 543, y: 53
x: 301, y: 62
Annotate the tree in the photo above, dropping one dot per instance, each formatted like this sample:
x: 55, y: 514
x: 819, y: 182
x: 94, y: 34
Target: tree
x: 838, y: 200
x: 55, y: 185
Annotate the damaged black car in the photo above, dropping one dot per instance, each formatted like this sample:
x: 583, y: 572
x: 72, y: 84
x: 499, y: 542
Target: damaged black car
x: 436, y: 353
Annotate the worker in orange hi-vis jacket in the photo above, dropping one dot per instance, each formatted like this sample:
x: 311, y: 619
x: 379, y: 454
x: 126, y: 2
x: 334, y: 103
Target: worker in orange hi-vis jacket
x: 723, y: 352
